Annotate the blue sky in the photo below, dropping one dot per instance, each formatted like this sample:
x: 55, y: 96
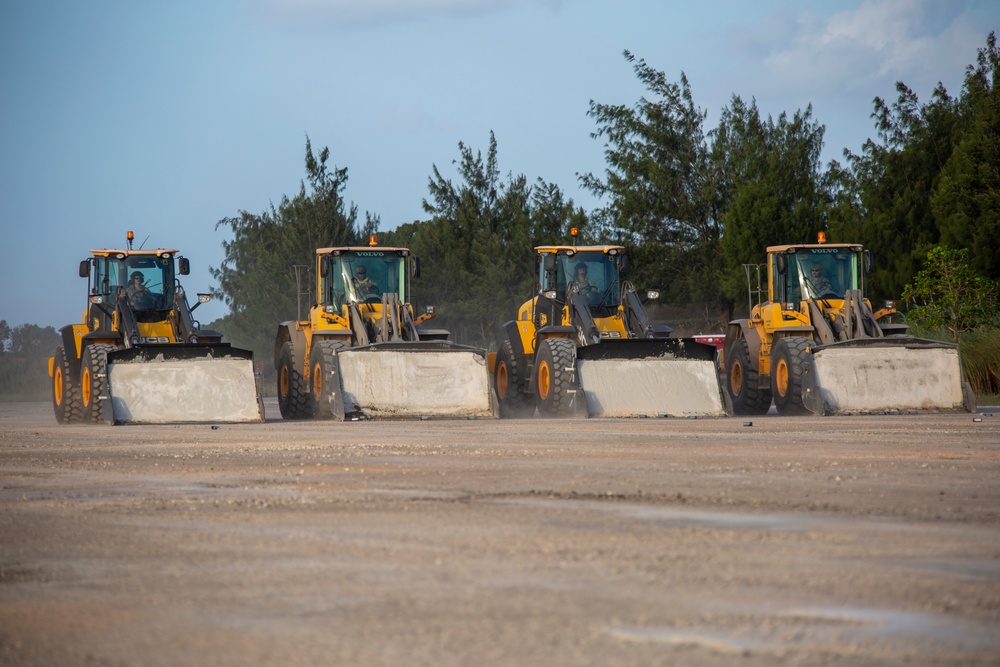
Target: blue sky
x: 166, y: 116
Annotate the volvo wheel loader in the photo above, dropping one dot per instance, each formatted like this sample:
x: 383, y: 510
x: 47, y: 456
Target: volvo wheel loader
x: 584, y: 344
x: 363, y: 354
x: 815, y: 345
x: 139, y: 356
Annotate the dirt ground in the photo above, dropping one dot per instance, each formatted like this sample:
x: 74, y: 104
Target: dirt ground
x: 866, y: 540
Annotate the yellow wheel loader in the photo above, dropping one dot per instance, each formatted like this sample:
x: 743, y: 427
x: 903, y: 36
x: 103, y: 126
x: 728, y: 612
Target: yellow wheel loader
x: 363, y: 354
x: 815, y: 345
x: 140, y: 357
x: 584, y: 344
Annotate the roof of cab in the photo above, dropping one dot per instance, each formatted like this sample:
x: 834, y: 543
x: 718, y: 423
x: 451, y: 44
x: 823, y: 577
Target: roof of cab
x: 579, y: 248
x: 364, y: 248
x: 813, y: 246
x: 153, y: 252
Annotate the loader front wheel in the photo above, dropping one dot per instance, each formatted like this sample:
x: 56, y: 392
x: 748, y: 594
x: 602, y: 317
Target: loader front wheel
x: 293, y: 393
x: 324, y: 377
x: 790, y: 358
x: 94, y: 382
x: 555, y: 376
x: 508, y: 384
x: 747, y: 396
x: 65, y: 392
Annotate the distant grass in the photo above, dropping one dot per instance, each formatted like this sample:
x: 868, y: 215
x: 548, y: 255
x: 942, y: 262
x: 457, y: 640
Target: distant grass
x: 981, y: 362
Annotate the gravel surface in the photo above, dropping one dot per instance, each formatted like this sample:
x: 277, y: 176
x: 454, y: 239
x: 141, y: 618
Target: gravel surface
x: 866, y: 540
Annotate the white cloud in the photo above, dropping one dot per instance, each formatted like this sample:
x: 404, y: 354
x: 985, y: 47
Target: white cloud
x: 878, y: 42
x: 346, y: 13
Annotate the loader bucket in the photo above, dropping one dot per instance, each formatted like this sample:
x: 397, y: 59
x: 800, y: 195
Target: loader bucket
x: 885, y: 374
x: 650, y: 377
x: 415, y: 379
x: 183, y: 383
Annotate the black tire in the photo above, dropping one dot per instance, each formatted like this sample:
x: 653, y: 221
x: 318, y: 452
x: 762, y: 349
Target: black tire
x: 65, y: 391
x: 790, y: 358
x: 555, y: 377
x: 94, y: 383
x: 508, y: 384
x: 323, y: 365
x: 293, y: 391
x: 742, y: 382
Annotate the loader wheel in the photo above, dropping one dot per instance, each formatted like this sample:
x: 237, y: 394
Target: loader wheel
x: 508, y: 385
x: 293, y: 394
x: 65, y: 392
x: 324, y: 377
x: 747, y: 397
x: 94, y: 382
x: 790, y: 358
x: 555, y: 377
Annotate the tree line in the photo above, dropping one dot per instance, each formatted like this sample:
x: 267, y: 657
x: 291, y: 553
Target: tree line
x: 24, y: 354
x: 691, y: 204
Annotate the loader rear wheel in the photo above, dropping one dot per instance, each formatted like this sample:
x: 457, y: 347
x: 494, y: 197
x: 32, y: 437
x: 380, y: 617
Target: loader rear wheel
x: 555, y: 376
x: 65, y: 392
x: 747, y: 396
x: 508, y: 385
x: 324, y: 375
x: 790, y: 358
x: 293, y: 393
x: 94, y: 382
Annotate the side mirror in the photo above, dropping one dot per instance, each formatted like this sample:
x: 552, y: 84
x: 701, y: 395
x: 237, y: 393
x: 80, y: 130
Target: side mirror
x: 183, y: 266
x: 416, y: 267
x: 869, y: 262
x: 781, y: 263
x: 623, y: 263
x: 324, y: 265
x: 85, y: 268
x: 550, y: 262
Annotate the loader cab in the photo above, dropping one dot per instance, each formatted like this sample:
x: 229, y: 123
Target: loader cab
x: 115, y: 272
x: 594, y: 271
x: 803, y: 273
x: 362, y: 275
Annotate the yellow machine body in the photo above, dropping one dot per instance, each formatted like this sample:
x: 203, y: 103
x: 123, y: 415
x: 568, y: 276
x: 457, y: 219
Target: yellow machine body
x: 362, y: 353
x: 816, y: 345
x: 584, y: 344
x: 139, y: 356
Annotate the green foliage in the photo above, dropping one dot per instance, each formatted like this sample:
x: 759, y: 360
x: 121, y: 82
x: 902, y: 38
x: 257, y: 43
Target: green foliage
x: 895, y: 180
x: 932, y: 179
x: 257, y: 278
x: 966, y: 202
x: 949, y: 293
x: 24, y: 354
x: 694, y: 207
x: 659, y: 186
x: 981, y: 363
x: 476, y: 249
x: 770, y: 189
